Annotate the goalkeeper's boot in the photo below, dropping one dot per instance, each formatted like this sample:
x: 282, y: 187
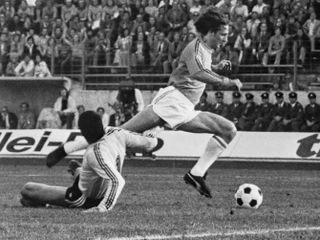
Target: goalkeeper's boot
x: 198, y: 183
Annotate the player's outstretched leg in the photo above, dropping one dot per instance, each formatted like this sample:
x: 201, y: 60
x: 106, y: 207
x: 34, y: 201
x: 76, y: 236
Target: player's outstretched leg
x: 38, y: 195
x: 224, y: 131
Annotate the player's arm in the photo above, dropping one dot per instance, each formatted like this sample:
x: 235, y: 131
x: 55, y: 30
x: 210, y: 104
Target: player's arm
x: 115, y: 186
x: 195, y: 65
x: 69, y: 147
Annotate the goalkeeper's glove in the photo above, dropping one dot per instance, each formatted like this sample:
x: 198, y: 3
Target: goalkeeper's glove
x: 55, y: 156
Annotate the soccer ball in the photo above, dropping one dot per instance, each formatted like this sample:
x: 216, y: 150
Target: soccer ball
x: 248, y: 196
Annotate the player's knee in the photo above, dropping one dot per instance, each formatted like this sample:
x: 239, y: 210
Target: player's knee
x: 28, y: 189
x: 119, y: 183
x: 229, y: 132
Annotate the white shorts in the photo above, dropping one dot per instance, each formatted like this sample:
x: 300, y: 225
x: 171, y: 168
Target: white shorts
x: 173, y: 107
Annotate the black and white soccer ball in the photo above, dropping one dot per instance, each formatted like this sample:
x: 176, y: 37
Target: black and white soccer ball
x: 248, y: 196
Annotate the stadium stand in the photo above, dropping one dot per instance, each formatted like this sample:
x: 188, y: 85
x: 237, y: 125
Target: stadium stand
x: 102, y: 42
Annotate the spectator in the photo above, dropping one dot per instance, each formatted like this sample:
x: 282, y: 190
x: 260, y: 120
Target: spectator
x: 303, y: 44
x: 30, y: 47
x: 239, y: 10
x: 312, y: 115
x: 225, y: 6
x: 104, y: 116
x: 3, y: 21
x: 175, y: 48
x: 310, y: 26
x: 176, y: 18
x: 260, y: 44
x: 293, y: 120
x: 50, y: 10
x: 253, y: 24
x: 4, y: 53
x: 26, y: 118
x: 95, y: 14
x: 27, y: 25
x: 7, y: 9
x: 239, y: 24
x: 24, y: 10
x: 68, y: 11
x: 124, y: 23
x: 219, y: 107
x: 205, y: 5
x: 195, y: 7
x: 203, y: 104
x: 102, y: 50
x: 138, y: 22
x: 264, y: 114
x: 8, y: 120
x: 150, y: 24
x: 161, y: 22
x: 37, y: 12
x: 248, y: 116
x: 117, y: 118
x: 160, y: 54
x: 25, y: 68
x: 129, y: 95
x: 14, y: 24
x: 244, y: 46
x: 232, y: 36
x: 258, y: 8
x: 48, y: 119
x: 275, y: 49
x: 151, y: 9
x: 41, y: 68
x: 81, y: 109
x: 77, y: 50
x: 111, y: 8
x: 122, y: 46
x: 280, y: 111
x: 16, y: 45
x: 236, y: 108
x: 66, y: 107
x: 43, y: 43
x: 11, y: 66
x: 140, y: 51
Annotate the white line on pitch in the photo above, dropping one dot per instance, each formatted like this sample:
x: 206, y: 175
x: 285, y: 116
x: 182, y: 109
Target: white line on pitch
x: 217, y: 234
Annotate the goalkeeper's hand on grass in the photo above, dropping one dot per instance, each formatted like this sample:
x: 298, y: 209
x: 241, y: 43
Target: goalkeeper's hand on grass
x: 55, y: 156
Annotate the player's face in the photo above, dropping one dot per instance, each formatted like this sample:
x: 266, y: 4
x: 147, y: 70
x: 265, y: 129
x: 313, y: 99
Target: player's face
x: 218, y: 39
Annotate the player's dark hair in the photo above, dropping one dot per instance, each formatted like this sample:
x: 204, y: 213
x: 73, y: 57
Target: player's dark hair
x: 210, y: 21
x: 91, y: 126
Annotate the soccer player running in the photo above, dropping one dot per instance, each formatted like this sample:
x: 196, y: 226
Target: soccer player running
x: 98, y: 183
x: 174, y: 105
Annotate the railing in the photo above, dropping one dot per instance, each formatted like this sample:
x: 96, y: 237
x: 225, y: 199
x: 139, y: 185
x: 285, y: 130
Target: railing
x: 99, y: 75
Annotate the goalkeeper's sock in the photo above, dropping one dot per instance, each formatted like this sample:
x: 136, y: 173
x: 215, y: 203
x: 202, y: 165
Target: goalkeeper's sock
x: 215, y: 147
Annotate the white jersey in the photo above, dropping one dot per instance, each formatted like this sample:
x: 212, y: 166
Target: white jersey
x: 100, y: 175
x: 194, y: 58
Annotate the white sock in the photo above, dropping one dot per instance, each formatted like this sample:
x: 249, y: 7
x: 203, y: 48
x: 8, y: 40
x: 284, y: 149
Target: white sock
x: 215, y: 147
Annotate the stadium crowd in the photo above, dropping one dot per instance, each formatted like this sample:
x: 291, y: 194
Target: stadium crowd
x: 36, y: 32
x: 38, y: 37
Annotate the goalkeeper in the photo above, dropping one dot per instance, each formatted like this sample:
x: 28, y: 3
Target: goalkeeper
x: 98, y: 182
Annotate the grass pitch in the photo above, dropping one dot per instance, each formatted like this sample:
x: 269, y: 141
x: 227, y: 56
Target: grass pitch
x: 157, y: 204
